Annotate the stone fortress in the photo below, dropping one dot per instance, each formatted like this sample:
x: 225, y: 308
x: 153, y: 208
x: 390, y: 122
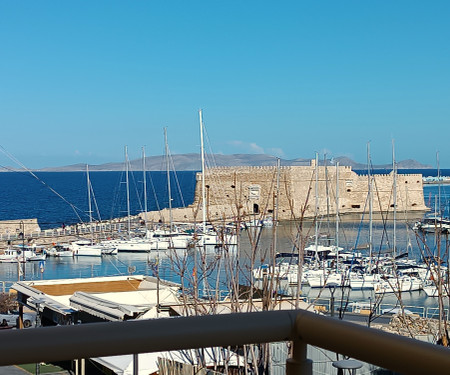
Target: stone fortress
x: 292, y: 192
x: 285, y: 193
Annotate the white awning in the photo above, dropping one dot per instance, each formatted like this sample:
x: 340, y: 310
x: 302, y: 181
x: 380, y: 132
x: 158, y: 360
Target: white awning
x: 39, y: 300
x: 105, y: 309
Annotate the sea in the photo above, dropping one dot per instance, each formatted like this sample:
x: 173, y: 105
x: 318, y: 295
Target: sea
x: 62, y: 198
x: 57, y: 198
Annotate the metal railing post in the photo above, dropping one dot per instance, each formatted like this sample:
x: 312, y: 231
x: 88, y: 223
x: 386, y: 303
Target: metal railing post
x: 136, y: 364
x: 298, y: 364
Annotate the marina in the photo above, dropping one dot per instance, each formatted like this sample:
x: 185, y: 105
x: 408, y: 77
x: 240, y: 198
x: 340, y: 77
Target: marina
x: 211, y: 275
x: 353, y: 232
x: 171, y: 261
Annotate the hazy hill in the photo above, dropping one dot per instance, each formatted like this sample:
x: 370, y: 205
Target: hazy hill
x: 192, y: 162
x: 404, y: 164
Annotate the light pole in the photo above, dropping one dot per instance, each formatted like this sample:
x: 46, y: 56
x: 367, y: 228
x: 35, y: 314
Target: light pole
x: 23, y: 247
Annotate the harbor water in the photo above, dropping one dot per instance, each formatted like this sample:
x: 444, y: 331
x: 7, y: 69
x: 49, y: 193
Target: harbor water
x: 61, y: 198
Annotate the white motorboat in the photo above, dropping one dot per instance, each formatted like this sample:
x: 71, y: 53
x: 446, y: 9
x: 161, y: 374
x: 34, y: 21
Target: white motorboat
x: 397, y: 284
x: 431, y: 289
x: 216, y: 239
x: 174, y: 239
x: 258, y: 222
x: 60, y: 250
x: 137, y: 245
x: 433, y: 224
x: 85, y: 248
x: 364, y: 281
x: 9, y: 255
x: 19, y: 253
x: 323, y: 278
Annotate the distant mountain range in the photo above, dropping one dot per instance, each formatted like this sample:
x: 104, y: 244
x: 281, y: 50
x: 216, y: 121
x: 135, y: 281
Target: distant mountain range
x: 192, y: 162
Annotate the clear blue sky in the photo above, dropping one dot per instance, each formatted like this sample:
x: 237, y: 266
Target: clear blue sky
x: 79, y: 80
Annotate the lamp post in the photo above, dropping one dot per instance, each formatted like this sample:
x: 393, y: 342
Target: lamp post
x: 23, y: 247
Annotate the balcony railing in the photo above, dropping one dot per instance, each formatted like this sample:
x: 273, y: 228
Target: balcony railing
x: 397, y: 353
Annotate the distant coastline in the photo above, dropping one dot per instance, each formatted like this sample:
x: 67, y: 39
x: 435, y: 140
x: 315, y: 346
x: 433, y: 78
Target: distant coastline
x: 192, y: 162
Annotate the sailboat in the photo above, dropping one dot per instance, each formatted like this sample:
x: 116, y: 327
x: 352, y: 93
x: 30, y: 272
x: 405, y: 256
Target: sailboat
x: 285, y: 266
x: 171, y: 236
x: 88, y: 247
x: 320, y: 275
x: 395, y: 281
x: 435, y: 222
x: 369, y: 278
x: 216, y: 236
x: 133, y: 244
x: 436, y: 281
x: 162, y: 238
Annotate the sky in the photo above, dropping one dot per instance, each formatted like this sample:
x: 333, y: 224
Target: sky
x: 82, y: 80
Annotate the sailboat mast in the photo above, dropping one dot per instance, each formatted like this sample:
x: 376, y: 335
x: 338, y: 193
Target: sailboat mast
x: 144, y: 172
x: 277, y: 192
x: 275, y: 211
x: 337, y: 216
x: 439, y: 185
x: 370, y: 182
x: 327, y: 193
x: 127, y: 182
x: 316, y: 209
x: 168, y: 177
x: 202, y: 152
x: 394, y: 175
x: 88, y: 181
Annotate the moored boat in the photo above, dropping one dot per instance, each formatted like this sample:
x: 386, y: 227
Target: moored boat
x: 60, y: 250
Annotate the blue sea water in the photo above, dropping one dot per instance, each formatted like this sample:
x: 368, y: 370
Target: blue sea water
x: 57, y: 198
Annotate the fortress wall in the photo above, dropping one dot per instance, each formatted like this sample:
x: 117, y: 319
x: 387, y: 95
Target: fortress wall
x: 242, y: 188
x: 409, y: 189
x: 250, y: 190
x: 243, y: 192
